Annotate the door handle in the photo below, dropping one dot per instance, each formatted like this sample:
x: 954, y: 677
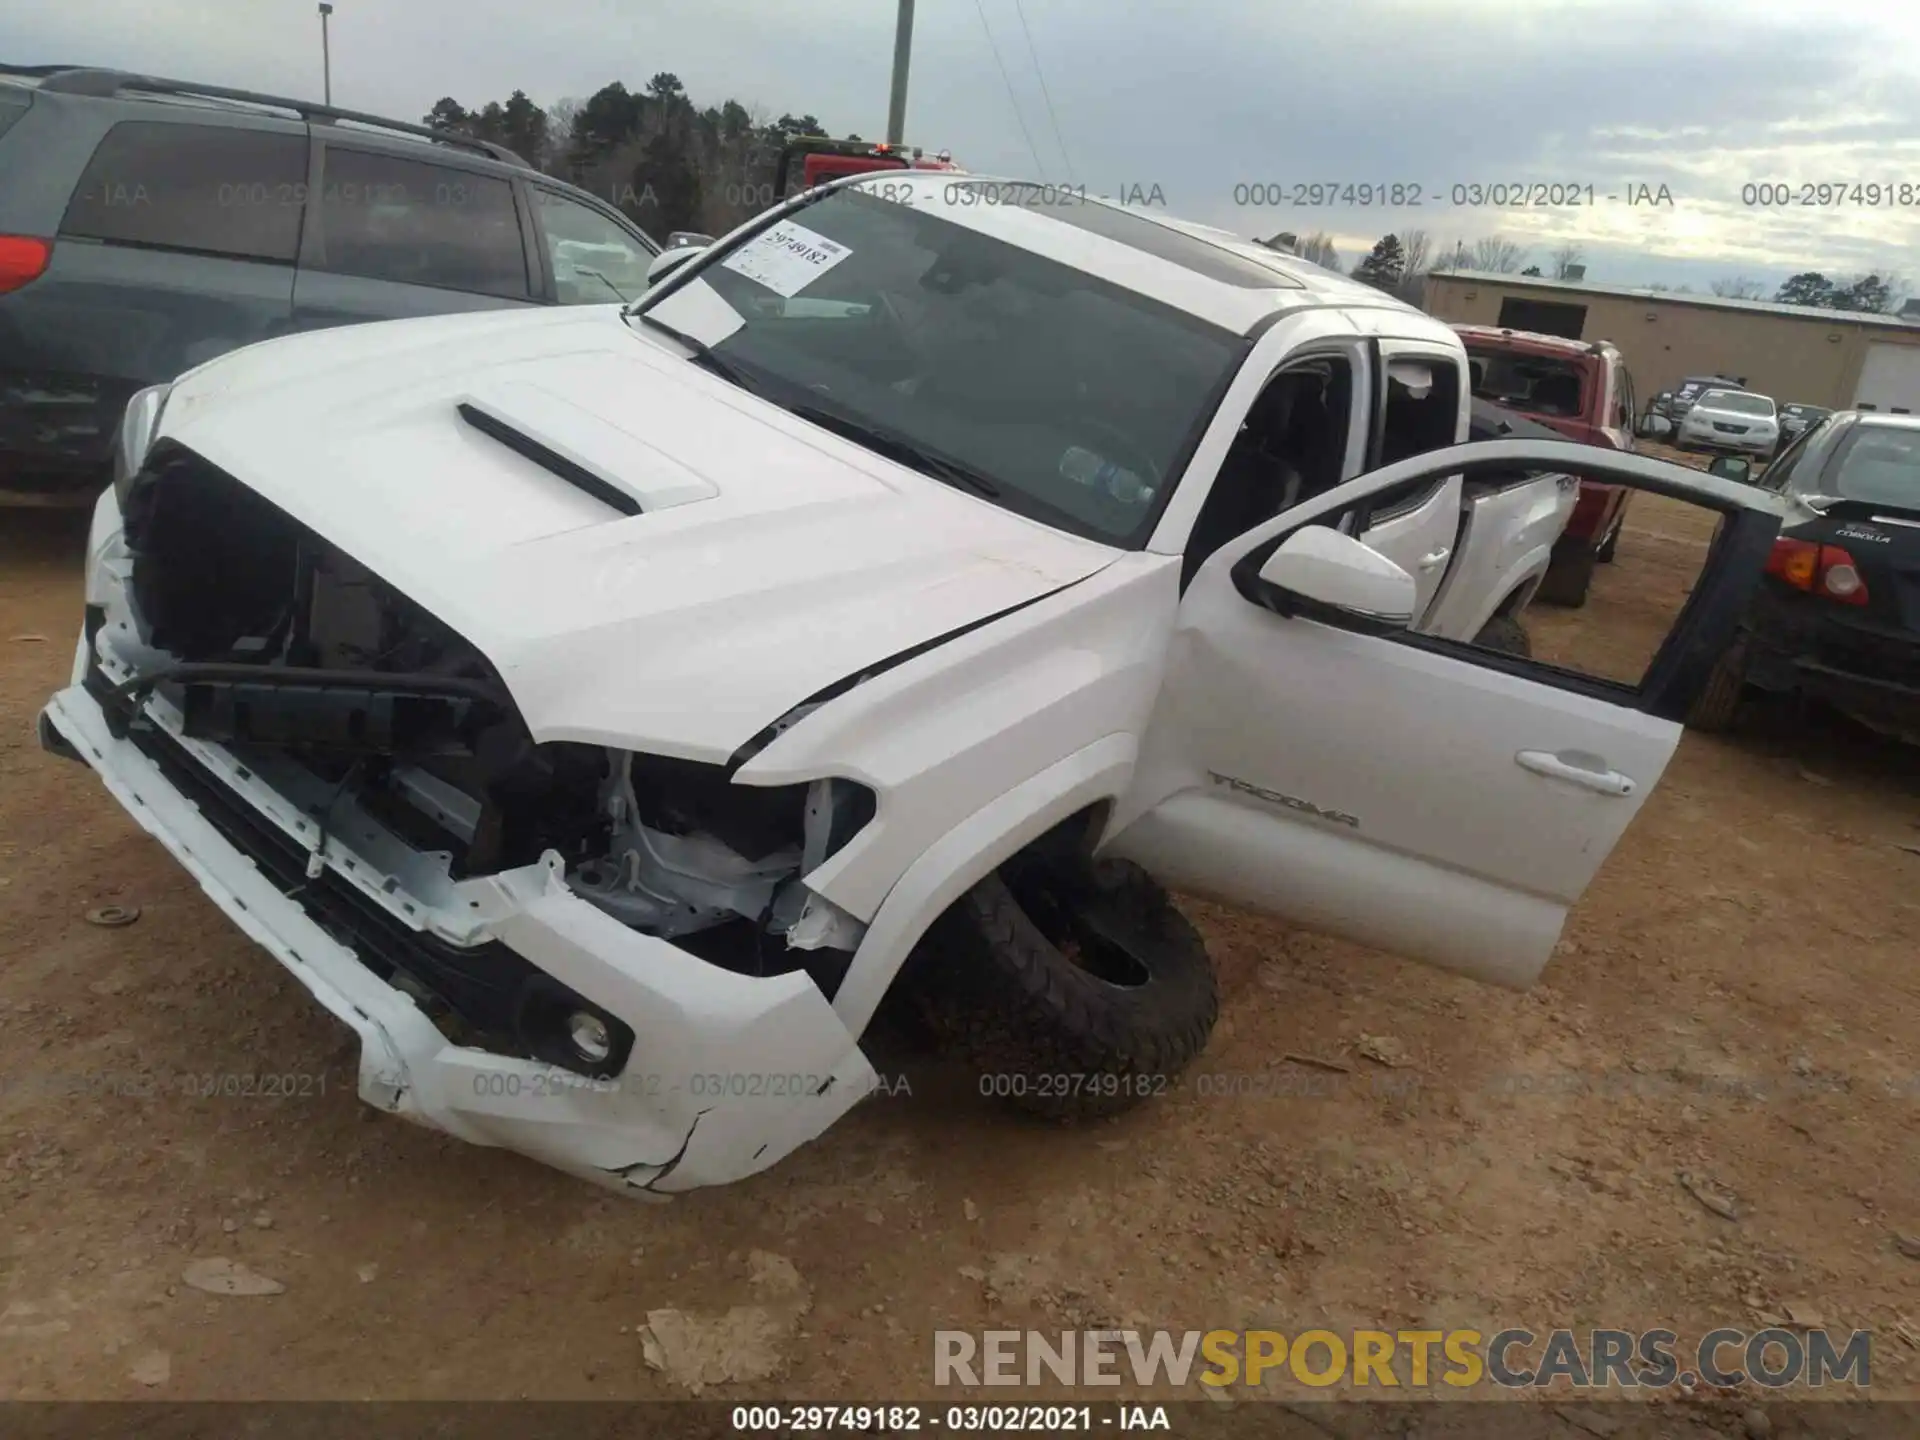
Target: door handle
x: 1428, y: 562
x: 1587, y: 771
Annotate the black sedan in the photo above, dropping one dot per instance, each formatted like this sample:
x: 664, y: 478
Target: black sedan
x: 1836, y: 617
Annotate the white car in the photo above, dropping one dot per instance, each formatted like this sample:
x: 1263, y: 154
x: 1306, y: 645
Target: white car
x: 602, y: 710
x: 1732, y: 420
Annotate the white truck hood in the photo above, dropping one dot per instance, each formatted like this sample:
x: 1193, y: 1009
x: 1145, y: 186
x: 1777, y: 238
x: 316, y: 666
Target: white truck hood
x: 771, y: 560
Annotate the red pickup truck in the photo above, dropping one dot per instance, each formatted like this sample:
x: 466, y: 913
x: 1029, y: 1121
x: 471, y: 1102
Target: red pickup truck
x: 1581, y: 389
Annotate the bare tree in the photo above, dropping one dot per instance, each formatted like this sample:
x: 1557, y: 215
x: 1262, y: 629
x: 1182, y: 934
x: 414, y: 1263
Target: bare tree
x: 1497, y: 256
x: 1739, y: 287
x: 1318, y: 249
x: 1566, y: 259
x: 559, y: 141
x: 1417, y: 246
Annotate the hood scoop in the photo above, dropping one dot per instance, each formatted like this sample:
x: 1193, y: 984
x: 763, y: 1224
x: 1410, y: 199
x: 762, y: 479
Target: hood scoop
x: 586, y: 450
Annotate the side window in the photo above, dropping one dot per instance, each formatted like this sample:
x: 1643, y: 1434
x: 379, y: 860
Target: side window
x: 1421, y: 412
x: 1291, y: 447
x: 1806, y: 455
x: 204, y: 188
x: 386, y: 217
x: 594, y: 260
x: 1776, y: 475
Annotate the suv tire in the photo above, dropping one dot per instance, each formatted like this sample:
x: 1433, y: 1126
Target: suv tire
x: 1075, y: 991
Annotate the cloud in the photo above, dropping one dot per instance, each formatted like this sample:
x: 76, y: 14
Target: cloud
x: 1197, y: 100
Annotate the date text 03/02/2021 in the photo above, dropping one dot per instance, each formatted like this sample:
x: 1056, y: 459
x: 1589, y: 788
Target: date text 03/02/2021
x: 1458, y: 194
x: 185, y: 1085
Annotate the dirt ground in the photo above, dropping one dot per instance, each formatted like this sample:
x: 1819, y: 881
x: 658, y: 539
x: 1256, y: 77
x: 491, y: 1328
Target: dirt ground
x: 1737, y: 998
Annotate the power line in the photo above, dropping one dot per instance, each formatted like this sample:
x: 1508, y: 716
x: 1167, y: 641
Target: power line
x: 1045, y: 94
x: 1007, y: 80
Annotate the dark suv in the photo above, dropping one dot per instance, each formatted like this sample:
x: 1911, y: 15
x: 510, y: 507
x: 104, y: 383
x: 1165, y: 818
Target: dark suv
x: 147, y: 225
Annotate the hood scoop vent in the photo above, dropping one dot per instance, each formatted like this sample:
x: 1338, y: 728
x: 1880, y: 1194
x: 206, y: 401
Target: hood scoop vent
x: 589, y: 452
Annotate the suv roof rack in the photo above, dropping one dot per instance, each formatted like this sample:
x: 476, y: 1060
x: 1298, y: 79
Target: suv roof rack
x: 103, y: 83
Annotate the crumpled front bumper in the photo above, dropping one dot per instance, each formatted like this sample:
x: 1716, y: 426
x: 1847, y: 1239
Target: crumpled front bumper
x: 728, y: 1073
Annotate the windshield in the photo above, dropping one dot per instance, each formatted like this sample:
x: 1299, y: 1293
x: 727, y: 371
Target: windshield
x: 1877, y: 466
x: 1537, y: 384
x: 1737, y: 402
x: 1059, y: 395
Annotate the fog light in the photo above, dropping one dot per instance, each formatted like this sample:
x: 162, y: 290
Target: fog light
x: 590, y: 1036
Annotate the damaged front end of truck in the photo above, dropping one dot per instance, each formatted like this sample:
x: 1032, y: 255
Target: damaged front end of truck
x: 606, y: 959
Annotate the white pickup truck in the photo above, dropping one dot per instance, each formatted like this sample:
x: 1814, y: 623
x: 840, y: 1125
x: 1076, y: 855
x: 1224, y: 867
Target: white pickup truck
x: 602, y: 710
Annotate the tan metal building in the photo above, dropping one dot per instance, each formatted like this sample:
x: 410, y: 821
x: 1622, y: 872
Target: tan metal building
x: 1838, y: 359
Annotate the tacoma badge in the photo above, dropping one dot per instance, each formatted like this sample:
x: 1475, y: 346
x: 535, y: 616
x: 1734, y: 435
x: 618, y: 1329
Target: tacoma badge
x: 1292, y: 802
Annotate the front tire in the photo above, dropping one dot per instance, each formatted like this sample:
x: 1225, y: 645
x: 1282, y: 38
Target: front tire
x: 1505, y: 635
x: 1074, y: 992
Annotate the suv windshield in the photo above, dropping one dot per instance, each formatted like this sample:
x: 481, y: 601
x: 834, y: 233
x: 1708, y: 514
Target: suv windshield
x: 1736, y: 402
x: 983, y: 364
x: 1877, y: 466
x: 1537, y: 384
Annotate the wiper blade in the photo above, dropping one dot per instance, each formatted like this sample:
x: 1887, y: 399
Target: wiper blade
x: 898, y: 447
x: 596, y: 275
x: 703, y: 355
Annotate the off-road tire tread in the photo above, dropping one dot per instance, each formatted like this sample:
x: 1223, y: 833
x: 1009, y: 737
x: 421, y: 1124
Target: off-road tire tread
x: 1009, y: 1003
x: 1505, y: 635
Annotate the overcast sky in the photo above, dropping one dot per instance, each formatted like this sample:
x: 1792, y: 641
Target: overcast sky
x: 1198, y: 98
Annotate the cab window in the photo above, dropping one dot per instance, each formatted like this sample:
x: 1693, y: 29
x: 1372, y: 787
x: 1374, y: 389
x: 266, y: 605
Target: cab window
x: 594, y: 260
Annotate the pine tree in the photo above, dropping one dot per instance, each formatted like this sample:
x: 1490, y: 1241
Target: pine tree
x: 1384, y: 265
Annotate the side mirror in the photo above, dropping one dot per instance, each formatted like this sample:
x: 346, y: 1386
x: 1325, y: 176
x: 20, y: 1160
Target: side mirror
x: 682, y: 239
x: 1319, y: 564
x: 670, y: 260
x: 1732, y: 467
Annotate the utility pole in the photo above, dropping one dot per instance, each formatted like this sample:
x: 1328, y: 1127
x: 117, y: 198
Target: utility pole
x: 902, y: 50
x: 326, y: 59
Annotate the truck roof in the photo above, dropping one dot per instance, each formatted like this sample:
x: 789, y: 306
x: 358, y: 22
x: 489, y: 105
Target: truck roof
x: 1213, y: 274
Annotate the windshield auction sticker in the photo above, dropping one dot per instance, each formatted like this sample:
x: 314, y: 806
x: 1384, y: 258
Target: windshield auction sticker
x: 787, y: 258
